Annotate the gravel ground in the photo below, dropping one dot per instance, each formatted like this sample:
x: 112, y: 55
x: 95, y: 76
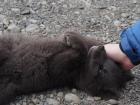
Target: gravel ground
x: 101, y: 18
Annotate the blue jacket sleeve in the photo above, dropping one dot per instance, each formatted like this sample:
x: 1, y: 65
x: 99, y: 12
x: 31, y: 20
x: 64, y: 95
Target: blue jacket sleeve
x: 130, y: 42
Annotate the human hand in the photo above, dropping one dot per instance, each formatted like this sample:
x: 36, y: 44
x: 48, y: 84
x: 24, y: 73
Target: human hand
x: 114, y: 52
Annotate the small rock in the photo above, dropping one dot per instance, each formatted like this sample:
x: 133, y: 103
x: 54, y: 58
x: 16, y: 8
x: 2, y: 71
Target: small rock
x: 24, y: 103
x: 60, y: 94
x: 16, y: 10
x: 74, y: 90
x: 65, y: 6
x: 51, y: 95
x: 117, y: 23
x: 33, y: 21
x: 1, y: 9
x: 23, y: 31
x: 29, y: 2
x: 33, y: 96
x: 89, y: 98
x: 113, y: 102
x: 25, y: 12
x: 2, y: 17
x: 35, y: 100
x: 77, y: 12
x: 51, y: 101
x: 43, y: 2
x: 82, y: 95
x: 5, y: 1
x: 53, y: 3
x: 24, y: 99
x: 13, y: 28
x: 125, y: 15
x: 42, y: 26
x: 113, y: 8
x: 72, y: 98
x: 42, y: 97
x: 32, y: 28
x: 134, y: 1
x: 31, y: 103
x: 97, y: 98
x: 107, y: 17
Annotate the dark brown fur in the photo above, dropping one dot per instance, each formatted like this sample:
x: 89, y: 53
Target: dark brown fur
x: 29, y: 64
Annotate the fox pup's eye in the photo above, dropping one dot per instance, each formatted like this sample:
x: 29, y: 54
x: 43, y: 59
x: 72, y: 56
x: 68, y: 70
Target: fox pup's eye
x: 100, y: 68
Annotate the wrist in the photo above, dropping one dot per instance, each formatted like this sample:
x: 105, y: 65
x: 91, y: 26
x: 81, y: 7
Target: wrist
x: 115, y: 53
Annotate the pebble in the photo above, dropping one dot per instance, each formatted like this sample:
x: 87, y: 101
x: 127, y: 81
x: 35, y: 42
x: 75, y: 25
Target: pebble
x: 16, y: 10
x: 113, y: 102
x: 43, y: 2
x: 41, y: 97
x: 13, y: 28
x: 125, y: 15
x: 51, y: 95
x: 60, y: 94
x: 65, y: 6
x: 97, y: 98
x: 31, y: 103
x: 2, y: 17
x: 77, y: 12
x: 117, y: 23
x: 113, y: 8
x: 24, y: 103
x: 72, y: 98
x: 74, y: 91
x: 36, y: 100
x: 32, y: 28
x: 33, y: 21
x: 6, y: 22
x: 25, y: 12
x: 29, y: 3
x: 42, y: 26
x: 1, y: 9
x: 89, y: 98
x: 134, y: 1
x: 23, y: 31
x: 107, y: 17
x: 51, y: 101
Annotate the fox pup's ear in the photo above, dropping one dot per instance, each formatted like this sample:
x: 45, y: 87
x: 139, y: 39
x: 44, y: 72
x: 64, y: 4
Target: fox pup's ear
x: 98, y: 54
x: 96, y: 59
x: 76, y: 41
